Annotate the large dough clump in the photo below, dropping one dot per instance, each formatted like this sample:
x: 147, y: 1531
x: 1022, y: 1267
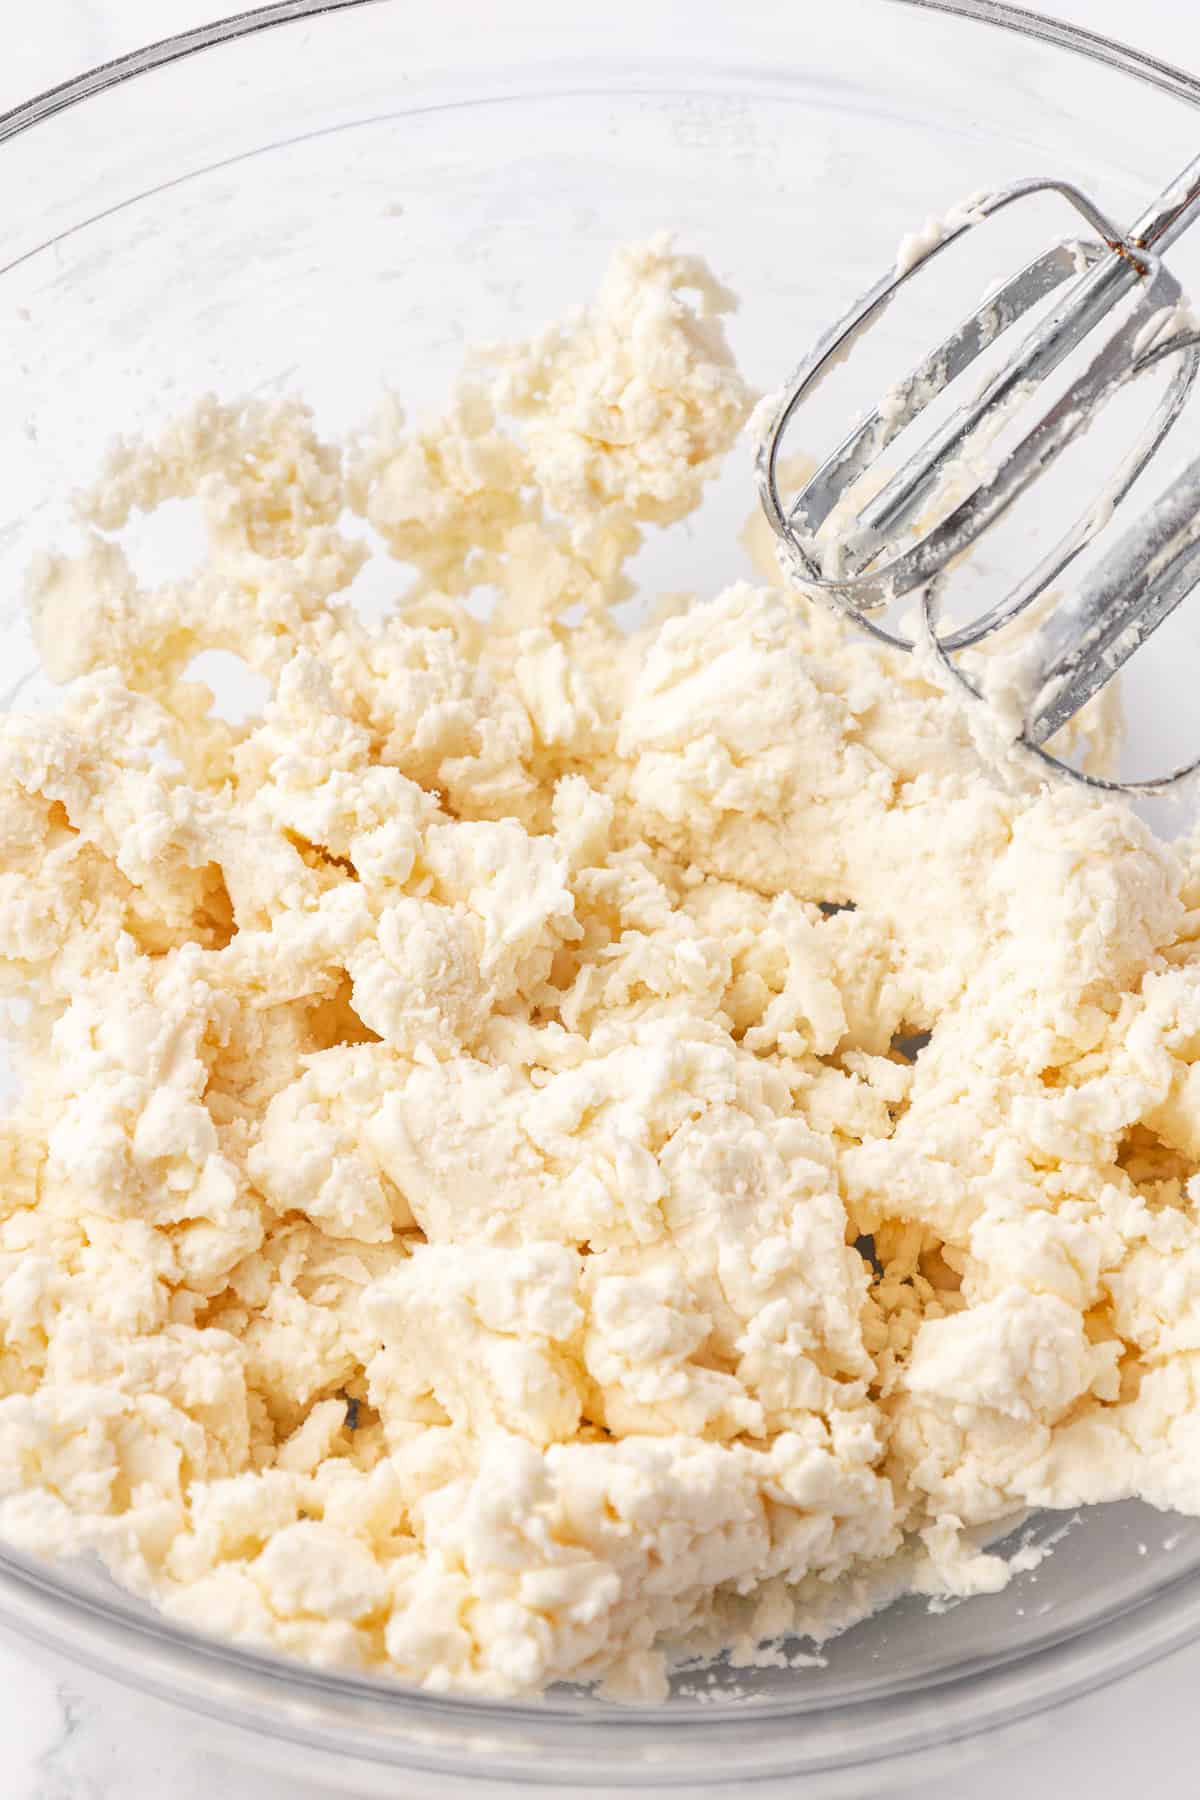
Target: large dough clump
x: 472, y: 1209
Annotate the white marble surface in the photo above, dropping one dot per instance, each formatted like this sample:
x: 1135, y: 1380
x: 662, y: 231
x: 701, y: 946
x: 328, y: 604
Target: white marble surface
x: 62, y: 1736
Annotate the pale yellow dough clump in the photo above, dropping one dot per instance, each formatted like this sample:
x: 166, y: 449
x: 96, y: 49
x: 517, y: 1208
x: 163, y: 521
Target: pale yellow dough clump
x: 455, y: 1103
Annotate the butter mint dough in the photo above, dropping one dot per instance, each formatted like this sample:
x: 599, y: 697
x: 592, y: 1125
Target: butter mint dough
x: 472, y: 1209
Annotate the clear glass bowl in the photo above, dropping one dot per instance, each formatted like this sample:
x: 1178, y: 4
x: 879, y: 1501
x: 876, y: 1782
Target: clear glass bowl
x: 332, y: 197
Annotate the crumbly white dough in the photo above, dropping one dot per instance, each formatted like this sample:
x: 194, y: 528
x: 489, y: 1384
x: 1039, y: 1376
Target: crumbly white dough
x: 456, y: 1103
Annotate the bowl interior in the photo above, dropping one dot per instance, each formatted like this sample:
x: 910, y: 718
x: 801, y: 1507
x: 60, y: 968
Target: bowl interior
x: 345, y: 204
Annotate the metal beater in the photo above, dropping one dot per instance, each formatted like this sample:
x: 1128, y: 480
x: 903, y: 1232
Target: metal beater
x: 867, y: 557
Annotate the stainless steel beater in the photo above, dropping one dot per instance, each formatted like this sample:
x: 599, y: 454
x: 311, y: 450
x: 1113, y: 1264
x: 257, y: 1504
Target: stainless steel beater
x: 862, y: 563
